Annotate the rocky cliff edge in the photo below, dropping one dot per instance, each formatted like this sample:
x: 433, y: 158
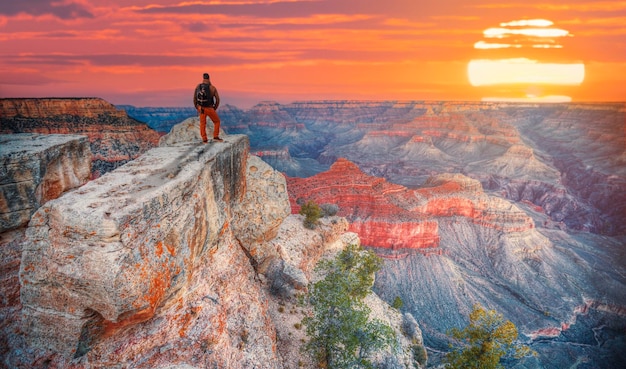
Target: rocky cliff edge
x: 184, y: 257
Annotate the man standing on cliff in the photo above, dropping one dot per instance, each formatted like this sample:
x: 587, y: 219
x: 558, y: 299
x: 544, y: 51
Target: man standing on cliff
x: 206, y: 100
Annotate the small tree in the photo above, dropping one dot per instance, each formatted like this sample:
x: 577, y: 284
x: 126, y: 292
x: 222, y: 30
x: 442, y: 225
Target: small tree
x: 486, y: 340
x: 340, y: 331
x: 312, y: 212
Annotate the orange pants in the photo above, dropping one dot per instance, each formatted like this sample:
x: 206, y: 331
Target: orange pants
x: 204, y: 111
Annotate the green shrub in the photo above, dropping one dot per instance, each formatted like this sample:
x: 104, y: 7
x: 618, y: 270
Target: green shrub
x: 397, y: 303
x: 312, y: 213
x: 486, y: 340
x: 419, y: 354
x: 341, y: 334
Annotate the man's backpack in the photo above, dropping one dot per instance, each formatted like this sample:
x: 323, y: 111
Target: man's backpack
x: 203, y: 95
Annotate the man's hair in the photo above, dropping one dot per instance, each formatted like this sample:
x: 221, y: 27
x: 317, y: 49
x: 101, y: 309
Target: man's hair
x: 205, y: 76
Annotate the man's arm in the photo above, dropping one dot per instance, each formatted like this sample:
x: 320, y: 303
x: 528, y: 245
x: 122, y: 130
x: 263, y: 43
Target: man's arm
x: 195, y: 97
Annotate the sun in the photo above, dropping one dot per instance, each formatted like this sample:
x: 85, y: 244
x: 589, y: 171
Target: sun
x: 524, y: 63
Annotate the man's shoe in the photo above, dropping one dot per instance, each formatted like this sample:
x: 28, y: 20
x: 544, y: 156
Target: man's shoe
x: 205, y: 141
x: 217, y: 139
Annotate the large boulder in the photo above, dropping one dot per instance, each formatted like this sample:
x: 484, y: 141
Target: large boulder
x: 36, y: 168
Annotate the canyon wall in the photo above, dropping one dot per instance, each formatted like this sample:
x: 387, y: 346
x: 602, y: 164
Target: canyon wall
x: 114, y: 137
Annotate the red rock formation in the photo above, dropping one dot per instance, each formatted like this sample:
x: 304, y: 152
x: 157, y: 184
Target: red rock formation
x: 391, y: 216
x: 114, y: 137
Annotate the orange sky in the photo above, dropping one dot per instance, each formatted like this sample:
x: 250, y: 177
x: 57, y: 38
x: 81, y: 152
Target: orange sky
x: 153, y: 52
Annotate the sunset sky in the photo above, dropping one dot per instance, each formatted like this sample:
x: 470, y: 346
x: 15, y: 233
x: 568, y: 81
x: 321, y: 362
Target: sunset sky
x: 153, y: 52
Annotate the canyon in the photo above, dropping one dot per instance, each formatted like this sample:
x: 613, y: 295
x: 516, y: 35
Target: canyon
x: 520, y: 207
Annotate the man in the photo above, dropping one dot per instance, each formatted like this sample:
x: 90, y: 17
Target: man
x: 206, y: 100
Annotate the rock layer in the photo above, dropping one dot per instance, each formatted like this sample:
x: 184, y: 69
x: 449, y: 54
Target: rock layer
x: 391, y: 216
x: 37, y: 168
x: 114, y: 137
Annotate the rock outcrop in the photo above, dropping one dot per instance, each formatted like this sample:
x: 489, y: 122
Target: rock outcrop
x: 114, y: 137
x: 181, y: 258
x: 109, y: 254
x: 37, y: 168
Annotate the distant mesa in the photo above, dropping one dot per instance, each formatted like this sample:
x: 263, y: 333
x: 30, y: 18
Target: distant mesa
x: 525, y: 61
x: 114, y: 137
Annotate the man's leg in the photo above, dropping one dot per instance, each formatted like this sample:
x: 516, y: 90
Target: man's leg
x: 216, y: 121
x: 203, y: 124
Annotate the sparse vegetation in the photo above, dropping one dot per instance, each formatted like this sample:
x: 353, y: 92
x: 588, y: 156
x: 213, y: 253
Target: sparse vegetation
x: 312, y: 213
x: 419, y: 354
x: 329, y: 210
x: 341, y: 334
x: 485, y: 341
x: 397, y: 303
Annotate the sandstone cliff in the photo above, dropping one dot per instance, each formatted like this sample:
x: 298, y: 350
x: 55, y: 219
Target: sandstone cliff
x: 185, y: 257
x: 114, y: 137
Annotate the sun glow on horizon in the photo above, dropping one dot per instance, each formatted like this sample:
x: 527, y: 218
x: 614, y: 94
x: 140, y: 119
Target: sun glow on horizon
x: 524, y: 71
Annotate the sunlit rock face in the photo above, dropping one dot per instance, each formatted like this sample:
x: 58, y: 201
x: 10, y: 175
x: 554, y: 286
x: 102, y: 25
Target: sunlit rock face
x: 393, y: 217
x: 109, y: 264
x: 142, y: 268
x: 114, y: 137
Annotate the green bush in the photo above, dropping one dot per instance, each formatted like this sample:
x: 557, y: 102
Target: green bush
x: 486, y: 340
x: 419, y: 354
x: 397, y: 303
x: 341, y: 335
x: 312, y: 213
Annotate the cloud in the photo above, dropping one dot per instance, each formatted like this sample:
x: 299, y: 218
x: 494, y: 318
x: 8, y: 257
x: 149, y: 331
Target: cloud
x: 307, y: 8
x: 63, y: 10
x: 579, y: 6
x: 130, y: 59
x: 197, y: 27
